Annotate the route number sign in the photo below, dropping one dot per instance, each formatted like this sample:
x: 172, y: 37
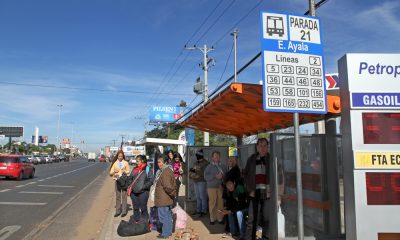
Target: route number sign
x: 292, y: 60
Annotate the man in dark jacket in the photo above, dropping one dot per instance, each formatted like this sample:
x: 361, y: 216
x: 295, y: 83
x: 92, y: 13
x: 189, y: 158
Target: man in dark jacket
x: 256, y: 178
x: 165, y: 193
x: 196, y: 174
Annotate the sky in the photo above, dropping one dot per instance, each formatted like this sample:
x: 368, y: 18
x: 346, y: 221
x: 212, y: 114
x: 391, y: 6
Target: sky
x: 108, y: 61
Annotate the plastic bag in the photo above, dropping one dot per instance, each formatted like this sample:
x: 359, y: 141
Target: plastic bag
x: 181, y: 217
x: 281, y: 225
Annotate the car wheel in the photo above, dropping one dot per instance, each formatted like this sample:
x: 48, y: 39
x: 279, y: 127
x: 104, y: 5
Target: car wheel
x: 20, y: 176
x: 32, y: 174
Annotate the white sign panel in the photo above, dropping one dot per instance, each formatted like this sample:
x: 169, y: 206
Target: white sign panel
x: 293, y: 71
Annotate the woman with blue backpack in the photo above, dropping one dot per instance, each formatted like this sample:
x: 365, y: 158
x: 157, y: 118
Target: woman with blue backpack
x: 142, y: 179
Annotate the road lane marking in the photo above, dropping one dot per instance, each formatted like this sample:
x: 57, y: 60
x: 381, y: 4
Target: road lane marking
x: 23, y: 203
x: 5, y: 190
x: 56, y: 186
x: 41, y: 180
x: 29, y: 192
x: 49, y: 220
x: 30, y: 183
x: 8, y: 231
x: 19, y: 186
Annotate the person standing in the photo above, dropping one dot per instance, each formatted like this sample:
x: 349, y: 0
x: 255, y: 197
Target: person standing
x: 165, y: 192
x: 214, y: 175
x: 233, y: 173
x: 177, y: 167
x: 119, y: 167
x: 196, y: 174
x: 258, y: 189
x: 143, y: 177
x: 170, y: 157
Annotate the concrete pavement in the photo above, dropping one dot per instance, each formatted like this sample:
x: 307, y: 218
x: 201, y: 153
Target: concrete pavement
x: 200, y: 225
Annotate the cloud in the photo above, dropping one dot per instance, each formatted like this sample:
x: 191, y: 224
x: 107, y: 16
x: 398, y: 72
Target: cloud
x: 380, y: 18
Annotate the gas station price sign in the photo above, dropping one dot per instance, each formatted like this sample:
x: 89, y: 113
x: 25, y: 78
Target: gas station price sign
x: 292, y: 60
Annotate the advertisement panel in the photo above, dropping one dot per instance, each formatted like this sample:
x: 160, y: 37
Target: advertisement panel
x: 165, y: 114
x: 42, y: 139
x: 12, y: 131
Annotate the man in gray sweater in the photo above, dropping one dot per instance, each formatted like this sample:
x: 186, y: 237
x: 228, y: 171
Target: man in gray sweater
x: 214, y: 175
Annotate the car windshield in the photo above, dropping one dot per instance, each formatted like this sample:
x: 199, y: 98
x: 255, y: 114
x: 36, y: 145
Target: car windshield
x: 8, y: 160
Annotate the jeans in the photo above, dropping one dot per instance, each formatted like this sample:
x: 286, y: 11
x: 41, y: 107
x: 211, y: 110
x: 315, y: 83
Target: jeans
x: 165, y: 216
x: 178, y: 184
x: 139, y: 205
x: 258, y: 215
x: 232, y: 223
x: 241, y: 219
x: 200, y: 189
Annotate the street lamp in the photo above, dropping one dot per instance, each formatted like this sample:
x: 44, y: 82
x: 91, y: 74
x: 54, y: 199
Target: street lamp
x: 58, y: 128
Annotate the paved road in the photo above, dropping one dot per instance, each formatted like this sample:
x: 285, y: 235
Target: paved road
x: 29, y: 206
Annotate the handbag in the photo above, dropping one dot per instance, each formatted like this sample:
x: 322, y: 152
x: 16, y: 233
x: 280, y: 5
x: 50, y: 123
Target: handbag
x: 152, y: 192
x: 129, y: 191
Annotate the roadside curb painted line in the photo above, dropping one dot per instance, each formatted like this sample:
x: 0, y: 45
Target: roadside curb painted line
x: 45, y: 223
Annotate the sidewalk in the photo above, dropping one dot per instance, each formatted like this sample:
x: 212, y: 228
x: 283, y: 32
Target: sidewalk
x: 200, y: 225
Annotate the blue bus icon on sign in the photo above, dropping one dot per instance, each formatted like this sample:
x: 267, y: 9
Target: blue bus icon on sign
x: 275, y: 25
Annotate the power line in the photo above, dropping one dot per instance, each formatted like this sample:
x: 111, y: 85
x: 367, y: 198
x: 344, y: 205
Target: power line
x: 226, y: 65
x: 317, y: 5
x: 215, y: 21
x: 88, y: 89
x: 205, y: 20
x: 164, y: 81
x: 237, y: 23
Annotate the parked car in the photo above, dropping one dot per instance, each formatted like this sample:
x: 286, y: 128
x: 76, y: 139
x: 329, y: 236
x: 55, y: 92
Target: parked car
x: 39, y: 159
x: 48, y: 159
x: 31, y: 159
x: 16, y: 166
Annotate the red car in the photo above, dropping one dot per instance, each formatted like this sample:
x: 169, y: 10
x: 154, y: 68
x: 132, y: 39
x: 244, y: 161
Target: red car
x: 16, y: 166
x: 102, y: 158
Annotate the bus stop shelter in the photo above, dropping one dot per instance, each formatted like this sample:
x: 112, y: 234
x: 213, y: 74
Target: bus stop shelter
x: 238, y: 110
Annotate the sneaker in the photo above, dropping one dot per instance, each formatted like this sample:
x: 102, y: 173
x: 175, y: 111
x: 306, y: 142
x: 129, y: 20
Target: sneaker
x: 226, y: 235
x: 162, y: 237
x: 117, y: 214
x: 212, y: 223
x: 195, y: 214
x: 123, y: 215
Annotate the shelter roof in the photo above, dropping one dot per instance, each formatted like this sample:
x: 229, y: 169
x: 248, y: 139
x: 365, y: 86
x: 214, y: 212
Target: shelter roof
x: 238, y: 110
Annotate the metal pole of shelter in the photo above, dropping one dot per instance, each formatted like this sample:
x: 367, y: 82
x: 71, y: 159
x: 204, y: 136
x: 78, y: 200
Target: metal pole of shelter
x: 235, y: 32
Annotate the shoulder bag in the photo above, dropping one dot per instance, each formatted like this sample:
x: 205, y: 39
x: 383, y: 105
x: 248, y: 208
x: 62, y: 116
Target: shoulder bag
x: 129, y: 191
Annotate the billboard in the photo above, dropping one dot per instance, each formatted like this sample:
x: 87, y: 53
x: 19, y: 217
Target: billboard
x: 42, y: 139
x: 12, y: 131
x: 165, y: 114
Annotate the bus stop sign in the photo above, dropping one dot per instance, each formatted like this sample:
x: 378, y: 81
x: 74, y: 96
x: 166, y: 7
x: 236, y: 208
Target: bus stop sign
x: 292, y: 64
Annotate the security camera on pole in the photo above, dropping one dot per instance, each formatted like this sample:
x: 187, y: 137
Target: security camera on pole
x: 204, y: 50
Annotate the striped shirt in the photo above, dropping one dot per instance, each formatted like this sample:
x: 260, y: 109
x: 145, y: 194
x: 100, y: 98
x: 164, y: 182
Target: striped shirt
x: 261, y: 177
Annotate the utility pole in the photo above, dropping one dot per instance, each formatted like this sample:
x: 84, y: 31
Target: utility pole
x: 114, y: 141
x: 122, y: 140
x: 234, y: 34
x: 204, y: 50
x: 58, y: 127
